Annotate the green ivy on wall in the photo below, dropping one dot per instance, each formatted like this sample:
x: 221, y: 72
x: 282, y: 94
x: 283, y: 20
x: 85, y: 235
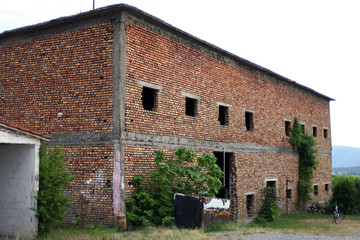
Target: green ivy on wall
x: 304, y: 144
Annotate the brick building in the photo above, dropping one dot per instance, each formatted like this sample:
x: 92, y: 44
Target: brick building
x: 115, y: 84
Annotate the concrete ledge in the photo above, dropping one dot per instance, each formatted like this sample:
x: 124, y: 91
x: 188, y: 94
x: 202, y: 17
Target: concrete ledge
x: 141, y: 139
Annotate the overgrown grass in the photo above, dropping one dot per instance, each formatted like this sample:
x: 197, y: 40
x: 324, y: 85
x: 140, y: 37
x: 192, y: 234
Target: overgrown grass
x: 105, y: 233
x: 296, y: 223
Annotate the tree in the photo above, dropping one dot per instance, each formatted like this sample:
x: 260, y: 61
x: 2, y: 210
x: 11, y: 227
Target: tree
x: 345, y: 193
x: 153, y: 204
x: 269, y: 209
x: 52, y: 203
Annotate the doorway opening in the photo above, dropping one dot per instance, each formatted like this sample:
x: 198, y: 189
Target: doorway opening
x: 249, y: 205
x: 224, y: 160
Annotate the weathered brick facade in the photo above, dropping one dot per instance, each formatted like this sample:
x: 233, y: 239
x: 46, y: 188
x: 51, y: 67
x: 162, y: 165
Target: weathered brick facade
x: 81, y: 80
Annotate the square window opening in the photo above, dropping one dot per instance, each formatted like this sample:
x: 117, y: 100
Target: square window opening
x: 249, y: 205
x: 326, y: 187
x: 325, y: 133
x: 287, y: 128
x: 315, y: 131
x: 249, y: 121
x: 190, y: 108
x: 271, y: 184
x: 149, y: 98
x: 223, y: 115
x: 316, y: 190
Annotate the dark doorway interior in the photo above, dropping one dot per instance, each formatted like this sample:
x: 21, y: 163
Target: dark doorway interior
x: 249, y: 205
x: 224, y: 164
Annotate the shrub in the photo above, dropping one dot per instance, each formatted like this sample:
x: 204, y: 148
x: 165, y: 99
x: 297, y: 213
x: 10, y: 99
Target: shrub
x: 269, y: 209
x: 345, y: 193
x: 357, y: 193
x: 316, y: 207
x: 52, y: 203
x: 153, y: 204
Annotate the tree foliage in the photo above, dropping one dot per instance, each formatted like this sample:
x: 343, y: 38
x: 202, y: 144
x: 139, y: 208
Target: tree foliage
x: 153, y: 203
x: 346, y: 193
x: 52, y: 203
x: 304, y: 144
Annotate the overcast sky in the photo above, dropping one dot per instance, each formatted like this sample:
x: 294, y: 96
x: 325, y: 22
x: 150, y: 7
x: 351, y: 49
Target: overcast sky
x: 313, y: 42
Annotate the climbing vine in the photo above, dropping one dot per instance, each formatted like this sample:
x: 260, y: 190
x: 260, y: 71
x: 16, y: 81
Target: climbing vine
x: 304, y: 144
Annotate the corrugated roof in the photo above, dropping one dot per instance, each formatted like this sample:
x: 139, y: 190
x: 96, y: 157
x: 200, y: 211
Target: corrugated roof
x: 24, y: 131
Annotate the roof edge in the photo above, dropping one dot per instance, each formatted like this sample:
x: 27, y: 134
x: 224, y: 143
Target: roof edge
x: 113, y: 9
x: 25, y: 131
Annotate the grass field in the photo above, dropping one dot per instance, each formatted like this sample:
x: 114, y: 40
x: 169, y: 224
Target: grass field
x: 297, y: 223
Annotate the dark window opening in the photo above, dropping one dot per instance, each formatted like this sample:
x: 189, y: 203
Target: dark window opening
x: 315, y: 131
x: 288, y: 193
x: 249, y: 121
x: 325, y: 133
x: 326, y: 187
x: 190, y: 106
x: 249, y: 205
x: 223, y: 115
x: 287, y: 128
x: 108, y: 184
x: 303, y: 128
x: 224, y: 165
x: 316, y: 190
x: 271, y: 184
x: 149, y: 97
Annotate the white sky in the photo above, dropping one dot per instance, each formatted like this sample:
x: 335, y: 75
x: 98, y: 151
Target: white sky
x: 313, y: 42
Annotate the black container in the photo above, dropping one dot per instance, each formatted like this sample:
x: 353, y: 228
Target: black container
x: 200, y: 211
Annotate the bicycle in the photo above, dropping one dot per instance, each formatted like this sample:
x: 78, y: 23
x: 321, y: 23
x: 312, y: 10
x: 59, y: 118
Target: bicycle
x: 338, y: 214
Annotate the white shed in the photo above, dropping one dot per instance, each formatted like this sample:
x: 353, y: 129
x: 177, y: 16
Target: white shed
x: 19, y: 174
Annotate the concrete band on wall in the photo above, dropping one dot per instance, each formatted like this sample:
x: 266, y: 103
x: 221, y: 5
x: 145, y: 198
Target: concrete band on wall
x: 168, y: 141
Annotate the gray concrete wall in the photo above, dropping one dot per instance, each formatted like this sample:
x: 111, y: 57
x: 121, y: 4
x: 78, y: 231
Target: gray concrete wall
x: 17, y: 189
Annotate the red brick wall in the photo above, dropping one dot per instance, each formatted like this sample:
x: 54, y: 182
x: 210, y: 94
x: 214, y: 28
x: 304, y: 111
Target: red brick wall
x: 67, y: 72
x: 156, y: 59
x: 254, y: 169
x: 323, y: 175
x: 71, y: 73
x: 93, y: 167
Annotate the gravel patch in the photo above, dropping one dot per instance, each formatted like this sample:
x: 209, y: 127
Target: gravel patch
x: 283, y: 236
x: 235, y: 235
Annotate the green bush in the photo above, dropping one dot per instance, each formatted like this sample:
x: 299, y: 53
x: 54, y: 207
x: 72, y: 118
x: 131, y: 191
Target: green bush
x: 346, y: 193
x: 269, y: 209
x: 152, y: 203
x: 52, y: 203
x: 357, y: 193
